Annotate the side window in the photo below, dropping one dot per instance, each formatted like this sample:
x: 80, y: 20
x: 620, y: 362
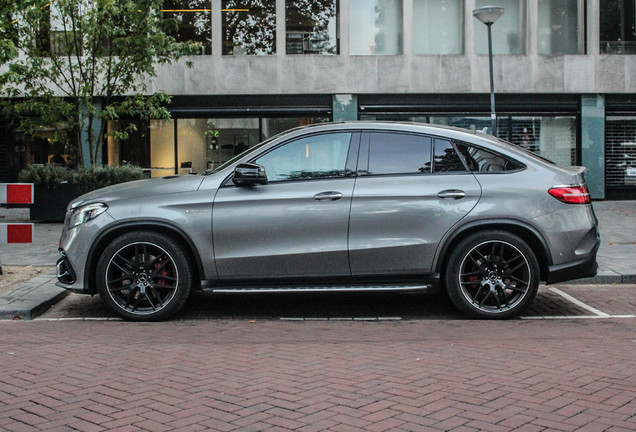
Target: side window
x: 394, y: 153
x: 318, y: 156
x: 480, y: 160
x: 446, y: 158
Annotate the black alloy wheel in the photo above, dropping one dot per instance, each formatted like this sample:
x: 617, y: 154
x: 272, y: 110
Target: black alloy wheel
x: 144, y: 276
x: 493, y: 274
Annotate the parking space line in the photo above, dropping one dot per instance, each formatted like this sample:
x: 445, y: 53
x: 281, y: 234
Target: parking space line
x: 341, y: 319
x: 573, y: 317
x: 579, y: 303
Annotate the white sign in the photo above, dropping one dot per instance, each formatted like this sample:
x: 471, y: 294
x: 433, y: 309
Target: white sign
x: 630, y: 172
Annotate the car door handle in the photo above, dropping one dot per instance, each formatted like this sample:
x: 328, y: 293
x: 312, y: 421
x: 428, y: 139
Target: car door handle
x: 330, y: 196
x: 452, y: 193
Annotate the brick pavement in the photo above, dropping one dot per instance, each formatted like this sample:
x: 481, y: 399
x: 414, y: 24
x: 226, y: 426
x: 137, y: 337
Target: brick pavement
x: 237, y: 375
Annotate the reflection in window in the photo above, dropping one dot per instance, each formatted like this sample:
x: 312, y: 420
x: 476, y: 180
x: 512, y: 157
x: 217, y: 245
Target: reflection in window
x: 273, y: 126
x: 552, y: 137
x: 506, y: 32
x: 133, y: 148
x: 193, y: 21
x: 375, y: 27
x: 560, y: 25
x: 480, y: 160
x: 391, y: 153
x: 161, y: 148
x: 446, y: 158
x: 618, y: 26
x: 316, y: 157
x: 437, y: 27
x: 249, y: 27
x: 311, y: 26
x: 206, y: 143
x: 55, y: 37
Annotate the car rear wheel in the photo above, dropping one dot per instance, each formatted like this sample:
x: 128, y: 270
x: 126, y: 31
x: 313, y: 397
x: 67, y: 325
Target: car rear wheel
x: 492, y: 274
x: 144, y: 276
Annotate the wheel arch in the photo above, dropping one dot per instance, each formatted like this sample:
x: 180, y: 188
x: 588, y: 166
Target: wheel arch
x: 524, y: 231
x: 160, y: 227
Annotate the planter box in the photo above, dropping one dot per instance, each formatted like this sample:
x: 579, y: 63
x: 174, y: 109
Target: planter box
x: 50, y: 204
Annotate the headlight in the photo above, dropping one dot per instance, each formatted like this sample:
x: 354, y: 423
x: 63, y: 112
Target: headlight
x: 86, y: 213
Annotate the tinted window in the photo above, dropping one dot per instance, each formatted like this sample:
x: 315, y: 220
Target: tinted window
x: 319, y: 156
x: 480, y: 160
x: 392, y: 153
x: 446, y: 158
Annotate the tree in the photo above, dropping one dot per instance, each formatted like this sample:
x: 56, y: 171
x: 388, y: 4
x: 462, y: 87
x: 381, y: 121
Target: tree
x: 75, y: 64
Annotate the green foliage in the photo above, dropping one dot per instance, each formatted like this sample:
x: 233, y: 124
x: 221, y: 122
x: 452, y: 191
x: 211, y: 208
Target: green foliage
x: 47, y: 175
x: 87, y: 179
x: 75, y: 64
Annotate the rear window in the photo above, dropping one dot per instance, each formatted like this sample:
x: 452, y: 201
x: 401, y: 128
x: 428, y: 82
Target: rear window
x: 480, y: 160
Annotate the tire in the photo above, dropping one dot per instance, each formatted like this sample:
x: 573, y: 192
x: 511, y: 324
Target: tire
x: 492, y: 275
x: 144, y: 276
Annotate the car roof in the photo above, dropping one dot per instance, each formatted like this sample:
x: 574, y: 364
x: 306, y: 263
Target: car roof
x: 447, y: 131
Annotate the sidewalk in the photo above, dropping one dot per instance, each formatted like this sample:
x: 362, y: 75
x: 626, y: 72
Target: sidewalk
x: 617, y: 265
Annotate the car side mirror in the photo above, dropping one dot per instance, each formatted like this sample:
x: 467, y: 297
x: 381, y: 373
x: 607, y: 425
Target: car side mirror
x: 249, y: 174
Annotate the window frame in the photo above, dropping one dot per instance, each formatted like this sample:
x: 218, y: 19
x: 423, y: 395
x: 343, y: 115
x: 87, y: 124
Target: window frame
x: 521, y: 165
x: 351, y: 160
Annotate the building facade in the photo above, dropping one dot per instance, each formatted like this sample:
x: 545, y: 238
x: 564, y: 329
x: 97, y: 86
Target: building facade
x: 565, y: 80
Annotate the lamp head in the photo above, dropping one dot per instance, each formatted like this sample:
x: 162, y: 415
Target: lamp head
x: 488, y: 14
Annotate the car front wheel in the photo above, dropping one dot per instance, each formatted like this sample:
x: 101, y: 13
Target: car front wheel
x: 492, y: 274
x: 144, y: 276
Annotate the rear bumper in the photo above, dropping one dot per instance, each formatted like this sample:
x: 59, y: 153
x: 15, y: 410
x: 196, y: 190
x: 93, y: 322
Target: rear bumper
x: 585, y: 266
x: 573, y: 270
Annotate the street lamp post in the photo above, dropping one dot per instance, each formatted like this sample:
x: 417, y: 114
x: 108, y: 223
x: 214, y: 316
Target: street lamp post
x: 488, y: 15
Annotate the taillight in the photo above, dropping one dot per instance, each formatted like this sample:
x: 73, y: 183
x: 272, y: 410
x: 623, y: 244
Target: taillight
x: 575, y: 194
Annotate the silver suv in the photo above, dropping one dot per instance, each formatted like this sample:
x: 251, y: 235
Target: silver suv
x: 334, y: 207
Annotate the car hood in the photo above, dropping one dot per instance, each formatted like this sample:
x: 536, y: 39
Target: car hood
x: 134, y: 189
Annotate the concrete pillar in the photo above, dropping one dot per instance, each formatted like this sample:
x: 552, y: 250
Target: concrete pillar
x: 217, y: 28
x: 345, y: 107
x: 407, y: 28
x: 593, y: 143
x: 593, y: 27
x: 281, y: 33
x: 344, y: 27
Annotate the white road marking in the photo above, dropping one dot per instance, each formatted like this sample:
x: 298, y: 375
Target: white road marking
x: 571, y: 317
x: 579, y: 303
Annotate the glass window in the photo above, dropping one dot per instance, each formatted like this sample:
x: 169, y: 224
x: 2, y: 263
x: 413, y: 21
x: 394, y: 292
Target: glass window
x: 620, y: 148
x: 618, y: 26
x: 161, y: 148
x: 480, y: 160
x: 311, y: 27
x: 319, y: 156
x: 375, y: 27
x: 193, y: 21
x: 552, y: 137
x: 560, y: 26
x: 55, y: 35
x: 438, y: 27
x: 249, y: 27
x: 393, y: 153
x: 446, y: 158
x: 209, y: 142
x: 274, y: 126
x: 131, y: 148
x: 507, y: 32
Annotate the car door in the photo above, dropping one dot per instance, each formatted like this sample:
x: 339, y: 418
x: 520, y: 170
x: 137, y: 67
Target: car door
x: 295, y: 226
x: 410, y: 191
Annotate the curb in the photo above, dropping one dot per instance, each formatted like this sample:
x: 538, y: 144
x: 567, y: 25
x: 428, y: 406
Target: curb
x: 606, y: 277
x: 32, y: 298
